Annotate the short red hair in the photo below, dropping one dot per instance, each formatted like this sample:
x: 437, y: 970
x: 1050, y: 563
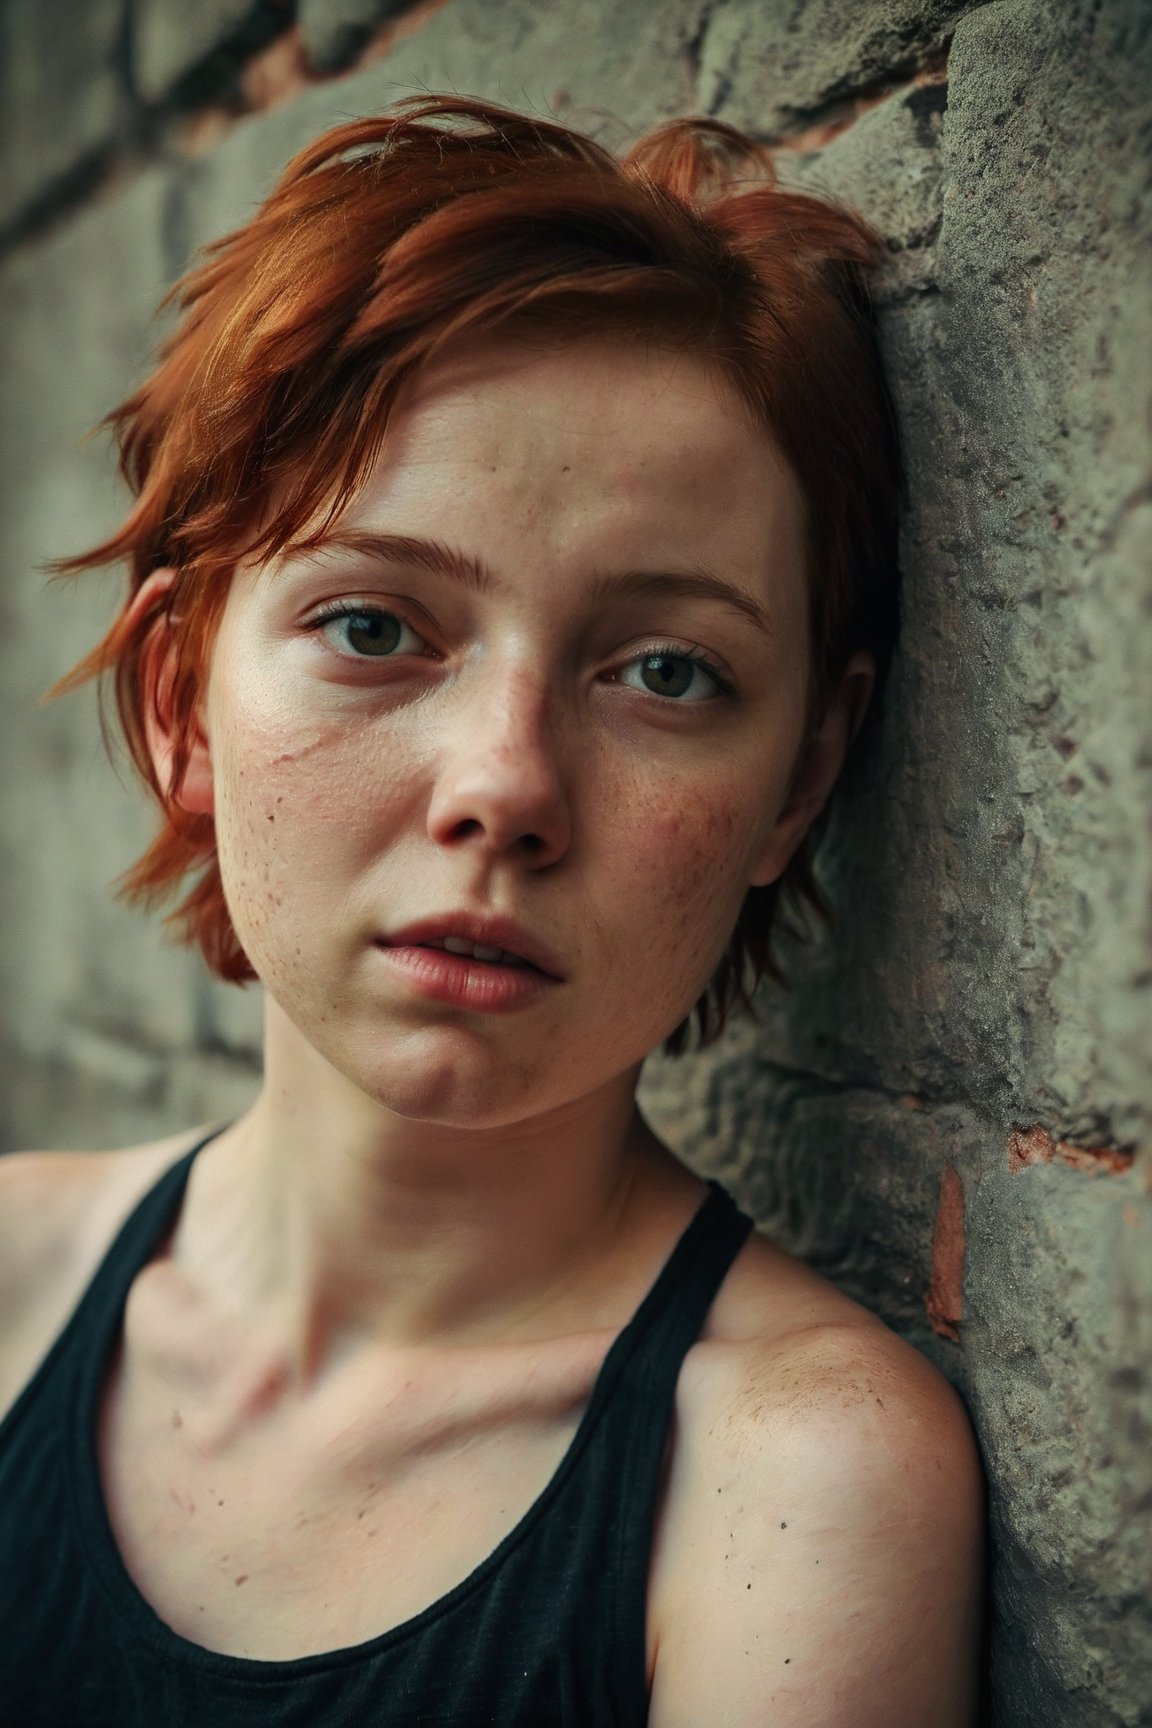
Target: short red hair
x: 387, y: 239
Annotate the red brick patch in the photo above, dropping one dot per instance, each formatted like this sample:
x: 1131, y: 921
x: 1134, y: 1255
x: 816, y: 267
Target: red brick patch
x: 1036, y: 1146
x: 946, y: 1288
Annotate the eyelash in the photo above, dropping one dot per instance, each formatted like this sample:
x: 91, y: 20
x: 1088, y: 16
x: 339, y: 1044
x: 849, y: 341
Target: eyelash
x: 694, y: 656
x: 337, y: 609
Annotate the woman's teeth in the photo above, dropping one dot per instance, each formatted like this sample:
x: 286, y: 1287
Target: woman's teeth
x: 477, y: 951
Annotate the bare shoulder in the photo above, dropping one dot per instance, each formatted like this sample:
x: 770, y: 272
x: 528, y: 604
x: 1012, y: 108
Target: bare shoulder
x: 821, y: 1544
x: 786, y: 1352
x: 58, y: 1213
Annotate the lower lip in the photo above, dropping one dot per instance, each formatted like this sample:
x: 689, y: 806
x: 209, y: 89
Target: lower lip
x: 463, y: 982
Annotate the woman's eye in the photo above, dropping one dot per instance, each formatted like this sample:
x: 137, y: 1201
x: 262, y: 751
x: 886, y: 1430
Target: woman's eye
x: 682, y: 676
x: 367, y: 632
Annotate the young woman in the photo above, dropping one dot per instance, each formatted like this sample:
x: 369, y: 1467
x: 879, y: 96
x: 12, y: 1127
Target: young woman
x: 512, y: 563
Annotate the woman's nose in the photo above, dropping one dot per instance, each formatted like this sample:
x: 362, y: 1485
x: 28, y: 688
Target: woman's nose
x: 500, y: 784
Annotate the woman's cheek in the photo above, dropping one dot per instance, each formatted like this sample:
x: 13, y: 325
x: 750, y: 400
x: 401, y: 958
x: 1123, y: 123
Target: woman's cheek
x: 690, y: 873
x: 290, y: 821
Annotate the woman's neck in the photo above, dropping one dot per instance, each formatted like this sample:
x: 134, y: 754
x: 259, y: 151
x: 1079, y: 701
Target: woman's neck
x: 337, y: 1222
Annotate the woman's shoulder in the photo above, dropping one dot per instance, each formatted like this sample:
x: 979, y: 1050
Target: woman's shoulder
x: 826, y: 1501
x: 59, y: 1211
x: 810, y: 1379
x: 779, y: 1327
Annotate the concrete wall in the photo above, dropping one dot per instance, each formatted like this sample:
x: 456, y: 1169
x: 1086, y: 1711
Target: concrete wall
x: 952, y: 1111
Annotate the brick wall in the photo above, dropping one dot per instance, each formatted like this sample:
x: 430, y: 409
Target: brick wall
x: 951, y: 1111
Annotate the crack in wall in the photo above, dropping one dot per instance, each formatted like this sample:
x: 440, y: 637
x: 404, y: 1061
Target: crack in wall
x: 262, y: 64
x: 1095, y: 1150
x: 253, y: 68
x: 815, y: 128
x: 692, y: 51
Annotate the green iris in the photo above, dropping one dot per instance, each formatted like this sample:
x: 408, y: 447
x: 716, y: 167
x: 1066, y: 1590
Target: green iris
x: 372, y: 632
x: 668, y: 674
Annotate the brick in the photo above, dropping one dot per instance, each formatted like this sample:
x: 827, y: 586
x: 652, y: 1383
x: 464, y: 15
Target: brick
x: 516, y: 53
x: 946, y: 1286
x: 1035, y: 1145
x: 76, y: 317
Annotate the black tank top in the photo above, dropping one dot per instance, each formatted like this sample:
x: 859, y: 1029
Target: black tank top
x: 547, y: 1632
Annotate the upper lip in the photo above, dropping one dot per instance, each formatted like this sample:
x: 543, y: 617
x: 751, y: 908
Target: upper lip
x: 489, y: 930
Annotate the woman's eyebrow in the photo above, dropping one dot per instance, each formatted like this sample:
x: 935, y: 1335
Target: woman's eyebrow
x: 464, y: 567
x: 433, y: 555
x: 683, y: 585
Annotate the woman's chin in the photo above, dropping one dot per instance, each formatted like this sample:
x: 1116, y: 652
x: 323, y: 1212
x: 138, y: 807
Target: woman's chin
x: 448, y: 1079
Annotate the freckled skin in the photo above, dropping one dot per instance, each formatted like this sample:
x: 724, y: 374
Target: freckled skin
x: 506, y: 765
x: 392, y: 1283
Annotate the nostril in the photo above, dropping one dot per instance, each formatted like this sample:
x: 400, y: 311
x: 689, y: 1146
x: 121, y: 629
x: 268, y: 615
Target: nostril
x: 470, y: 809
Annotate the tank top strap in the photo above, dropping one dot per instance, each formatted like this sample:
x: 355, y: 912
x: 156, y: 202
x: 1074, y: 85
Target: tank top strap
x: 88, y: 1333
x: 644, y: 1363
x: 140, y: 1235
x: 548, y: 1630
x: 637, y: 1390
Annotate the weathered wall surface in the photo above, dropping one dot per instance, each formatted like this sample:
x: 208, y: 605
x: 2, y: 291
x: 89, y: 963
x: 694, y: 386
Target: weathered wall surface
x: 952, y: 1111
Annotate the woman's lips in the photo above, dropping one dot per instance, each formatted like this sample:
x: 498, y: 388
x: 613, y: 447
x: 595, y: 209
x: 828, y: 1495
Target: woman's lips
x: 462, y: 981
x: 480, y: 929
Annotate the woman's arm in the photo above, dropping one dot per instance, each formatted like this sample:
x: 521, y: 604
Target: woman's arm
x: 825, y: 1554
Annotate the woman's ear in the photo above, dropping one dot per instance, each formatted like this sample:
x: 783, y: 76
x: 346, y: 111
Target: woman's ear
x: 157, y: 690
x: 818, y: 767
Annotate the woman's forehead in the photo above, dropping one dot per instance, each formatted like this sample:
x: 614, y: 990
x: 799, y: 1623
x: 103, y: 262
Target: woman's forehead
x: 576, y: 468
x: 605, y: 395
x: 592, y: 439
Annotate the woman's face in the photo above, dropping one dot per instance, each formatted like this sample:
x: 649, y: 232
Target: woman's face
x: 544, y: 690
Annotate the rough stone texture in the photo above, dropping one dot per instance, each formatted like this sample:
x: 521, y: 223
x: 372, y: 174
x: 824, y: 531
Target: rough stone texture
x: 61, y: 94
x: 516, y: 52
x: 990, y: 971
x: 951, y: 1112
x: 1025, y: 584
x: 104, y: 1018
x: 774, y: 68
x: 888, y: 166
